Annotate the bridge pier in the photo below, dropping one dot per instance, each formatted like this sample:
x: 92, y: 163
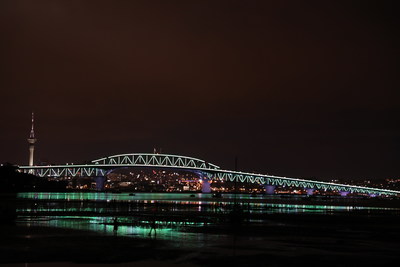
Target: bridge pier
x: 100, y: 181
x: 205, y: 186
x: 310, y: 191
x: 269, y: 189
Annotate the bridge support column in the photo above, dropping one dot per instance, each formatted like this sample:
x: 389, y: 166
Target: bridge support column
x: 344, y: 193
x: 100, y: 181
x: 310, y: 191
x: 205, y: 186
x: 269, y: 189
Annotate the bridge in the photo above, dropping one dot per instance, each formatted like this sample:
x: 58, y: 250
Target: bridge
x: 101, y: 167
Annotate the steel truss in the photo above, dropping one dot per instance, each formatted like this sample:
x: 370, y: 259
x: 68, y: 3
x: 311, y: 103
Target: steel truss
x: 66, y: 171
x: 226, y: 175
x: 101, y: 167
x: 156, y: 160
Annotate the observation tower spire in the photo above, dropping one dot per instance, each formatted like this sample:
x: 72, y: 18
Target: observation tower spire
x: 32, y: 141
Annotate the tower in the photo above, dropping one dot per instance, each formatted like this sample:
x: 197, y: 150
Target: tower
x: 31, y: 141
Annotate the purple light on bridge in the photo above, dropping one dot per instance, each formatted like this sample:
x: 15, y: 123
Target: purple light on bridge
x: 205, y: 186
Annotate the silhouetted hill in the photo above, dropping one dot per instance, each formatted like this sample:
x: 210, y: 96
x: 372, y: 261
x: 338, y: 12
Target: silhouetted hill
x: 11, y: 180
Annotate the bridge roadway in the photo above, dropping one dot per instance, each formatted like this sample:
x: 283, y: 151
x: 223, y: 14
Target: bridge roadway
x: 101, y: 167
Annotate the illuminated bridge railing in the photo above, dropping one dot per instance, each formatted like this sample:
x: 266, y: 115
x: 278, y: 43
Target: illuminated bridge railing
x: 226, y: 175
x: 101, y: 167
x: 64, y: 171
x: 212, y: 174
x: 155, y: 160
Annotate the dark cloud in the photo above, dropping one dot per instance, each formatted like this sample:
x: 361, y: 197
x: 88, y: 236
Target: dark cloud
x: 291, y: 88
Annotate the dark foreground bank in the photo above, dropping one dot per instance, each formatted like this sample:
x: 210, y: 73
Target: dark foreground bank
x: 283, y: 240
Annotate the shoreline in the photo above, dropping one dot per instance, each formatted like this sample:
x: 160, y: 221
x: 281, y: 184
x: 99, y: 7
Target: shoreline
x: 217, y: 234
x: 259, y: 199
x: 284, y: 240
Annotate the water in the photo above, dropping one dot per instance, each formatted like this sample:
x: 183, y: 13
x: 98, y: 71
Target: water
x: 104, y: 226
x: 137, y: 196
x: 176, y: 215
x: 86, y: 201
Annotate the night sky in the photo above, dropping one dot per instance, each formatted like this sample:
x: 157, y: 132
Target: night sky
x: 294, y: 88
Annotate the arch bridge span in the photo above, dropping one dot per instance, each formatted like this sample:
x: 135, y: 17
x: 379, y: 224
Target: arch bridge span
x: 155, y: 160
x: 102, y: 166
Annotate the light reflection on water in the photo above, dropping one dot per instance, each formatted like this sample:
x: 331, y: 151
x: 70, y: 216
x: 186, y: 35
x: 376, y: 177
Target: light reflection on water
x: 125, y: 202
x: 104, y: 226
x: 253, y: 208
x: 128, y: 196
x: 92, y: 211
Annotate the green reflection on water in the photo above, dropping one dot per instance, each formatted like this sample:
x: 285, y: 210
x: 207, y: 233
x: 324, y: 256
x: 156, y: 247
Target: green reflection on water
x: 137, y: 196
x: 200, y: 203
x: 105, y: 226
x: 98, y: 210
x: 254, y: 208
